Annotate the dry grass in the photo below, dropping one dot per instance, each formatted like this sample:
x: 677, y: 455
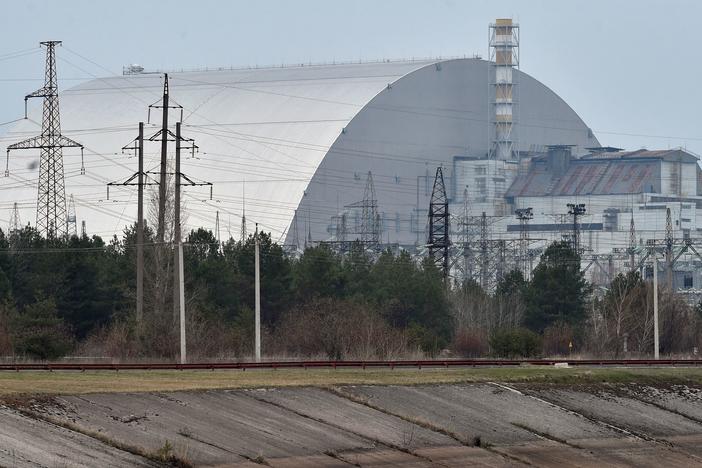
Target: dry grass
x: 52, y: 383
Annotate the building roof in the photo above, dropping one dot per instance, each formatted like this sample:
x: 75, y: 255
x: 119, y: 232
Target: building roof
x: 598, y: 173
x: 300, y: 139
x: 666, y: 155
x: 270, y: 127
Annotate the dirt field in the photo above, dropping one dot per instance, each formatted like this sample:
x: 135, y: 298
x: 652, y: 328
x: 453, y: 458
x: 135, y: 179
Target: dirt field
x: 53, y: 383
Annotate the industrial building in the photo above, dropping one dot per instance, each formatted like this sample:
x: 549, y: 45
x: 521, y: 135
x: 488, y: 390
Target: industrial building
x: 339, y: 152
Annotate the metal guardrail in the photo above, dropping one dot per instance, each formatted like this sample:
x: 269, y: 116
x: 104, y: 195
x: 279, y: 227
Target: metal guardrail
x: 419, y: 364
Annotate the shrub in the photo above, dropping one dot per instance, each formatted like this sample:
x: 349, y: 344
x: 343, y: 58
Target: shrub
x: 556, y: 339
x: 39, y: 333
x: 470, y: 342
x: 337, y: 329
x: 515, y: 342
x: 426, y: 339
x: 5, y: 336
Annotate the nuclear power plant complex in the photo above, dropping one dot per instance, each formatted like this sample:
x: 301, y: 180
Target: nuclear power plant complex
x: 382, y: 153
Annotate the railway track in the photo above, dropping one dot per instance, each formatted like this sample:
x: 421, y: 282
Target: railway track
x: 418, y: 364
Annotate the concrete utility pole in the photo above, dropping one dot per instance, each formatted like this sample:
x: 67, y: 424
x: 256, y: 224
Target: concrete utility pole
x: 179, y: 283
x: 183, y: 353
x: 140, y: 228
x: 136, y: 145
x: 257, y: 286
x: 161, y: 228
x: 176, y: 228
x: 656, y: 345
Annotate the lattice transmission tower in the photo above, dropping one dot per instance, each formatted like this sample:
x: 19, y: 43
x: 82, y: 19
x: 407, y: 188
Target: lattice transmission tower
x: 524, y: 215
x: 72, y: 226
x: 439, y: 240
x: 370, y: 218
x: 51, y: 196
x: 15, y: 223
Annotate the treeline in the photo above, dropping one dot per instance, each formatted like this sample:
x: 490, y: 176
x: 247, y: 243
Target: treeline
x: 77, y: 297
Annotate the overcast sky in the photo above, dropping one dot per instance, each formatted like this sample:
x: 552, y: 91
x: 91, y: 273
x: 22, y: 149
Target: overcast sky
x: 629, y: 68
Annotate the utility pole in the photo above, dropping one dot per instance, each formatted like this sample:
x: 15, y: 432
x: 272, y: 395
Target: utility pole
x: 243, y: 213
x: 257, y: 285
x: 181, y: 299
x: 179, y: 281
x: 137, y: 145
x: 177, y: 238
x: 656, y: 345
x: 219, y: 241
x: 439, y: 240
x: 632, y: 243
x: 51, y: 196
x: 83, y: 232
x: 140, y: 227
x: 179, y: 277
x: 164, y: 161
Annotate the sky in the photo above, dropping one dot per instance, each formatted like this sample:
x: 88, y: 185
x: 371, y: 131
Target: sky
x: 628, y: 68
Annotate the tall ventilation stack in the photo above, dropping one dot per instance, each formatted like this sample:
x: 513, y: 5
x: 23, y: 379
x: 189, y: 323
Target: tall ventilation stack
x: 504, y: 55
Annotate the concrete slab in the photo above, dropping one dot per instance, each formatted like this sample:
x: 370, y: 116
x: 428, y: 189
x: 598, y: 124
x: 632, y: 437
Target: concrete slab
x: 462, y: 456
x: 549, y: 453
x: 27, y: 442
x: 682, y: 399
x: 627, y: 413
x: 493, y: 413
x: 354, y: 417
x: 637, y: 452
x: 378, y: 458
x: 691, y: 444
x: 311, y: 461
x: 374, y: 426
x: 245, y: 428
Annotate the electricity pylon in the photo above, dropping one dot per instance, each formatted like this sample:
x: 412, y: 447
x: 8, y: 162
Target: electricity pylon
x: 51, y: 196
x: 72, y: 227
x: 439, y: 224
x: 15, y: 223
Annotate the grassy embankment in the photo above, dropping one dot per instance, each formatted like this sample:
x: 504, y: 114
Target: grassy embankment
x: 51, y: 383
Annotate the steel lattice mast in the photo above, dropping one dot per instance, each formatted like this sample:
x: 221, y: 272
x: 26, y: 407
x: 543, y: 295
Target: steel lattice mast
x: 15, y: 223
x: 72, y: 226
x: 439, y: 224
x: 370, y: 218
x: 51, y: 195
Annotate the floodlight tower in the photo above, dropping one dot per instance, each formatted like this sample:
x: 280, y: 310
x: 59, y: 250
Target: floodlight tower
x: 576, y: 210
